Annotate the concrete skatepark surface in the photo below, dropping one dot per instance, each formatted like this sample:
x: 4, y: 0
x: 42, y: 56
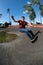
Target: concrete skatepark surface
x: 21, y: 51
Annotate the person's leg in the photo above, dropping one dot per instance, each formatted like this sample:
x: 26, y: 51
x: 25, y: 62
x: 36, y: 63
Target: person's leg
x: 24, y: 30
x: 35, y: 33
x: 30, y: 31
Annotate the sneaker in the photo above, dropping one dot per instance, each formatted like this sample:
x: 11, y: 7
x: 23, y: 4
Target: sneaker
x: 37, y: 32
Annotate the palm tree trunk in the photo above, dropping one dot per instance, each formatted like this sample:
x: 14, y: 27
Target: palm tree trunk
x: 40, y: 19
x: 9, y: 19
x: 40, y: 16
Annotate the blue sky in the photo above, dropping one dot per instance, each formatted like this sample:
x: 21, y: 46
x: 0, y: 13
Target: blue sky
x: 16, y: 10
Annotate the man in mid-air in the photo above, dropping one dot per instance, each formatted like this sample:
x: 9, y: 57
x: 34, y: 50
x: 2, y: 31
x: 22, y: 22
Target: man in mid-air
x: 22, y: 28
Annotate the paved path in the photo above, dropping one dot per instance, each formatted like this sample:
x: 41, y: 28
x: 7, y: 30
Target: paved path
x: 21, y: 51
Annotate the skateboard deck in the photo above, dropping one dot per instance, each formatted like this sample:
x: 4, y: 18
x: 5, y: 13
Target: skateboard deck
x: 35, y: 39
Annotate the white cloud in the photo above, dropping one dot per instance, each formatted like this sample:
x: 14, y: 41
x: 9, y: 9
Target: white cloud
x: 29, y: 3
x: 26, y: 11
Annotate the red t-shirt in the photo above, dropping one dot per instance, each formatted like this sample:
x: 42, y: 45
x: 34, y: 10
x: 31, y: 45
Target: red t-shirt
x: 22, y: 24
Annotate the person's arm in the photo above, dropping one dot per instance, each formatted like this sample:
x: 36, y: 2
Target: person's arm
x: 26, y: 24
x: 13, y: 19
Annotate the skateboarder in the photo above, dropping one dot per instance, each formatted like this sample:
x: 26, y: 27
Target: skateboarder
x: 22, y: 27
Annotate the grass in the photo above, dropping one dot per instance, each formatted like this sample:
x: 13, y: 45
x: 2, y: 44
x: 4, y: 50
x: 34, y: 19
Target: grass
x: 6, y: 37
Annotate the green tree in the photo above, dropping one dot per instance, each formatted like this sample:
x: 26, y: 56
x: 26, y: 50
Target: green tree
x: 30, y: 12
x: 41, y: 10
x: 6, y: 24
x: 0, y: 25
x: 32, y: 16
x: 37, y: 2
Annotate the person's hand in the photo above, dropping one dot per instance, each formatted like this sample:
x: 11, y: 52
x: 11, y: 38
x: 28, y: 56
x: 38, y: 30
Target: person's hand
x: 12, y: 17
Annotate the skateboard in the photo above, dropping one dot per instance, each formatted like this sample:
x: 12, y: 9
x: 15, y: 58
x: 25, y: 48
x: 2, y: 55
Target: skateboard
x: 35, y: 39
x: 36, y: 34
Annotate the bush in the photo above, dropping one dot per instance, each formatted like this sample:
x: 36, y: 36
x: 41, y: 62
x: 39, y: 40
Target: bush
x: 6, y: 24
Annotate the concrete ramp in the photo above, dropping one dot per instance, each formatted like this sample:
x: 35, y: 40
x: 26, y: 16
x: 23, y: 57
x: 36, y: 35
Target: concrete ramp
x: 22, y: 51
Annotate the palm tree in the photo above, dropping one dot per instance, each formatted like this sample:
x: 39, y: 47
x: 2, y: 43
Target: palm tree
x: 41, y: 10
x: 37, y: 2
x: 28, y: 8
x: 32, y: 16
x: 0, y: 15
x: 8, y: 11
x: 30, y: 11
